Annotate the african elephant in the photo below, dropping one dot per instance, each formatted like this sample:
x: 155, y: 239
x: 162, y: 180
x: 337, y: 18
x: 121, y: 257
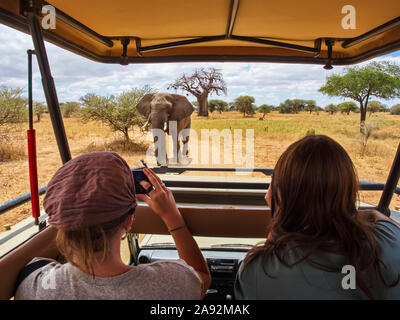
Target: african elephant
x: 161, y: 108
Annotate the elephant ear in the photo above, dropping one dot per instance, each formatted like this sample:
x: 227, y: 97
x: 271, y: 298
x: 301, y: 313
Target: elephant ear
x: 181, y: 108
x: 143, y: 106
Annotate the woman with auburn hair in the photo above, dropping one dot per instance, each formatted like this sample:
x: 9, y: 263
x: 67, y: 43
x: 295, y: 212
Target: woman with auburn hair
x: 320, y: 246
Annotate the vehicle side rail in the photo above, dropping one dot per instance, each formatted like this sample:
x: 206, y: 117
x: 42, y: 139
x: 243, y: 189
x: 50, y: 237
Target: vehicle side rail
x: 364, y: 185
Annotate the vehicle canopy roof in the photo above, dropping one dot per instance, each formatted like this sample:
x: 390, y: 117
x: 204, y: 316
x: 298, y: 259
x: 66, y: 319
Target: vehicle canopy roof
x: 127, y: 31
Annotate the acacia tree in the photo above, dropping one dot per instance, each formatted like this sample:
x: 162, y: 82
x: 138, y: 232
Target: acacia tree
x: 38, y: 109
x: 118, y: 112
x: 331, y: 108
x: 219, y: 105
x: 375, y: 106
x: 70, y: 108
x: 347, y: 107
x: 310, y: 106
x: 12, y: 106
x: 296, y: 105
x: 264, y: 108
x: 381, y: 80
x: 245, y: 104
x: 200, y: 84
x: 395, y: 109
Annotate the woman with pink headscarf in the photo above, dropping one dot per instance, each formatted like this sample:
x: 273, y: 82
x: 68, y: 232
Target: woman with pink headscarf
x: 91, y: 202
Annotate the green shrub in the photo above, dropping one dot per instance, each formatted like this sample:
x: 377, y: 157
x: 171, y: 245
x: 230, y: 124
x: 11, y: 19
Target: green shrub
x: 395, y: 109
x: 69, y: 109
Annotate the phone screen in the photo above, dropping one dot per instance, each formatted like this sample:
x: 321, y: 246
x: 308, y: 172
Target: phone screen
x: 138, y: 175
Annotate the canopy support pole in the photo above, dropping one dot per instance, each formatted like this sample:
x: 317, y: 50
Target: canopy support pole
x: 390, y: 185
x: 31, y: 133
x: 48, y: 86
x: 232, y: 17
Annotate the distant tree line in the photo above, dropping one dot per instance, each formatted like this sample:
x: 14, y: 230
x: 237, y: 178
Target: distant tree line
x: 350, y: 106
x: 246, y: 105
x: 360, y: 84
x: 14, y: 107
x: 377, y: 79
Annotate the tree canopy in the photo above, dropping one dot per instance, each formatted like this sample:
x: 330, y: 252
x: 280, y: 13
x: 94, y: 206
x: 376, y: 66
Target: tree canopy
x: 200, y: 84
x: 380, y: 80
x: 38, y: 109
x: 347, y: 107
x: 331, y: 108
x: 297, y: 105
x: 245, y: 105
x: 265, y: 108
x: 118, y: 112
x: 310, y: 106
x: 375, y: 106
x: 12, y: 106
x: 217, y: 105
x: 70, y: 108
x: 395, y: 109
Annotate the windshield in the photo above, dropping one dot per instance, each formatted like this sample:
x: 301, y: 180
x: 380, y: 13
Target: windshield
x: 166, y: 241
x: 247, y: 116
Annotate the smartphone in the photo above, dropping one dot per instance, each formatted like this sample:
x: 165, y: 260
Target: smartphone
x: 138, y: 175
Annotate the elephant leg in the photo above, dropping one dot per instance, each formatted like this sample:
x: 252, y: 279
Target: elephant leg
x: 184, y: 124
x: 173, y: 133
x: 160, y: 150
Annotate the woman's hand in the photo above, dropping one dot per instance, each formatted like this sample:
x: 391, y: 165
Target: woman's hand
x: 161, y: 200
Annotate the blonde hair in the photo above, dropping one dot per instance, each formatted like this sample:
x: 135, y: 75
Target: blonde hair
x: 85, y: 243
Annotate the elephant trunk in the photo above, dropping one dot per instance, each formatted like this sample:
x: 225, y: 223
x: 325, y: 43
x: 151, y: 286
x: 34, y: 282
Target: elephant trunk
x: 158, y: 121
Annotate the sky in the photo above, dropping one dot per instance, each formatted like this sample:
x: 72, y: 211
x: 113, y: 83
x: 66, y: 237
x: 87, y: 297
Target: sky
x: 74, y: 76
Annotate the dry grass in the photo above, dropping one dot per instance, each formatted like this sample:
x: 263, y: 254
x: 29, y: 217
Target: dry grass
x: 272, y: 136
x: 12, y: 143
x: 11, y: 152
x: 118, y: 146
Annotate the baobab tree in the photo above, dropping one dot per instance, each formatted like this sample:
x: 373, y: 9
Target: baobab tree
x: 200, y: 84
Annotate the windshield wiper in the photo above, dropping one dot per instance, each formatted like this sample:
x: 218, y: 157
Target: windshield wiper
x: 160, y: 245
x: 232, y: 245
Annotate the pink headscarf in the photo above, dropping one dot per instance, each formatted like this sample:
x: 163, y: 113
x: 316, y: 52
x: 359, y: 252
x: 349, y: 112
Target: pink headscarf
x: 88, y: 190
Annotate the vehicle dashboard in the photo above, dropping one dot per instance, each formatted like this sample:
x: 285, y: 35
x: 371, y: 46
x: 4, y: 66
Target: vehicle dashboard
x: 223, y: 266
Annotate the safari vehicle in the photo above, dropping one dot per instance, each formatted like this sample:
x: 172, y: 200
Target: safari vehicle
x: 226, y: 216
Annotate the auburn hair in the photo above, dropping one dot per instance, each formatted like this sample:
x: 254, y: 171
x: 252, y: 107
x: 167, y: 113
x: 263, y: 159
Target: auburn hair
x: 86, y: 242
x: 314, y: 195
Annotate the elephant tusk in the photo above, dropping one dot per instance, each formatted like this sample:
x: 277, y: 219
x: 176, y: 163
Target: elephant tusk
x: 165, y: 126
x: 145, y: 125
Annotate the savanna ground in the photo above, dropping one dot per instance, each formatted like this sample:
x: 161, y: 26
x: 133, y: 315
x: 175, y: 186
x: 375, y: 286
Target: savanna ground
x: 272, y: 136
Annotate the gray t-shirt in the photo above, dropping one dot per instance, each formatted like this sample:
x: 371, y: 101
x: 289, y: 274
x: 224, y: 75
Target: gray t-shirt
x: 161, y: 280
x: 304, y: 281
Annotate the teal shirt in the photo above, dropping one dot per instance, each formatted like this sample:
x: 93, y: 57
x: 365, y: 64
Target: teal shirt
x: 304, y: 281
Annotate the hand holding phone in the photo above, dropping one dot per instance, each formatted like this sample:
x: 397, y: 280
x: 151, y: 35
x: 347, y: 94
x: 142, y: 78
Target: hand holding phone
x: 162, y: 201
x: 138, y: 176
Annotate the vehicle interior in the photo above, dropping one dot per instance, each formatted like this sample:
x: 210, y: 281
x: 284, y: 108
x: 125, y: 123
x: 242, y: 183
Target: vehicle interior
x: 227, y: 216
